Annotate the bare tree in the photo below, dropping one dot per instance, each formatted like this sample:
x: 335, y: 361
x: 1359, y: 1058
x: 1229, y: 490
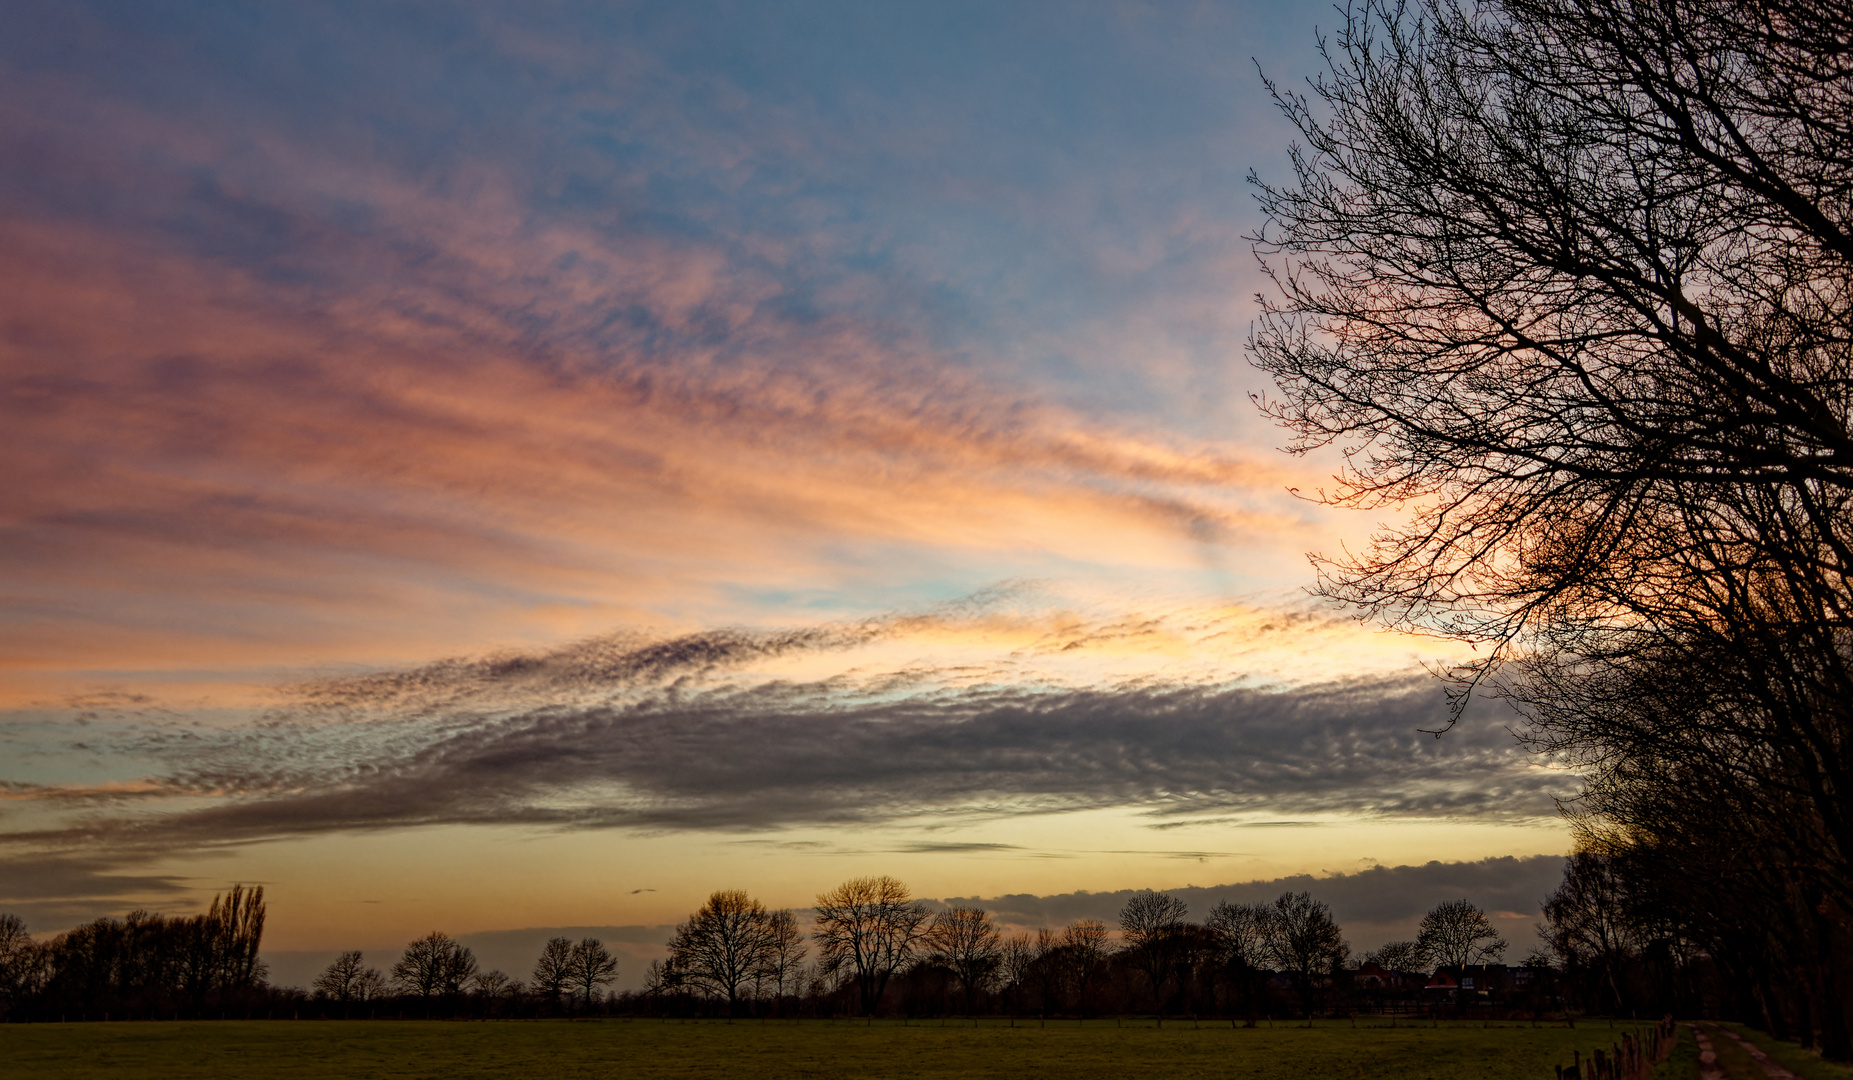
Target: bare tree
x: 868, y: 927
x: 370, y: 985
x: 340, y: 978
x: 18, y: 954
x: 1049, y: 968
x: 1587, y: 920
x: 489, y: 984
x: 1553, y: 271
x: 1151, y: 925
x: 1016, y: 960
x: 660, y: 977
x: 433, y: 966
x: 967, y: 942
x: 1456, y: 933
x: 1573, y: 277
x: 782, y: 961
x: 553, y: 972
x: 1306, y: 944
x: 1242, y: 933
x: 1573, y: 280
x: 724, y: 945
x: 1085, y: 942
x: 1401, y: 956
x: 590, y: 966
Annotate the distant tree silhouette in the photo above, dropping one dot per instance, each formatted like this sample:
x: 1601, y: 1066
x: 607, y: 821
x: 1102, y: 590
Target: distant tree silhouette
x: 1049, y: 969
x: 868, y: 927
x: 591, y: 966
x: 1017, y: 957
x: 235, y: 925
x: 1242, y: 934
x: 1404, y: 956
x: 724, y: 946
x: 553, y: 972
x: 341, y: 979
x: 1151, y: 932
x: 143, y: 963
x: 435, y: 965
x: 1307, y: 944
x: 1088, y: 949
x: 782, y: 962
x: 1455, y: 933
x: 370, y: 985
x: 490, y: 987
x: 20, y: 961
x: 967, y: 942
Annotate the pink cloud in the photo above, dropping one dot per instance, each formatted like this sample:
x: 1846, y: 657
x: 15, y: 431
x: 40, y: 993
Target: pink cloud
x: 380, y: 439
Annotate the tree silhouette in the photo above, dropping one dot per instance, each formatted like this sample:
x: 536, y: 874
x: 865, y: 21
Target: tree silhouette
x: 590, y: 966
x: 341, y: 978
x: 435, y: 965
x: 1403, y: 956
x: 966, y: 941
x: 19, y: 958
x: 1571, y: 283
x: 724, y: 946
x: 235, y: 923
x: 1455, y: 933
x: 1085, y: 943
x: 1151, y: 928
x: 868, y: 927
x: 553, y: 972
x: 782, y: 961
x: 1242, y: 933
x: 1307, y: 944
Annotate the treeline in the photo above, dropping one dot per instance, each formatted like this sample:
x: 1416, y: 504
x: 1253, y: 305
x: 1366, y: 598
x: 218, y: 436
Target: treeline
x: 1616, y: 941
x: 876, y: 949
x: 141, y: 965
x: 871, y: 948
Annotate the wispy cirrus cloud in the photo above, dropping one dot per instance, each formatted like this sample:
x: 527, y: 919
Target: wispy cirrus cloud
x: 975, y: 712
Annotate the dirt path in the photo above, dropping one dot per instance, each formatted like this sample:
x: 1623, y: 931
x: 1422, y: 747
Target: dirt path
x: 1711, y: 1068
x: 1775, y: 1071
x: 1708, y: 1057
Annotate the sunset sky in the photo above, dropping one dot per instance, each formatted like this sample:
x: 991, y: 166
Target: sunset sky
x: 497, y: 467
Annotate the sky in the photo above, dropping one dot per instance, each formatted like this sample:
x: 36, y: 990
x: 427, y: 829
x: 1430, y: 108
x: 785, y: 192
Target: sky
x: 498, y: 467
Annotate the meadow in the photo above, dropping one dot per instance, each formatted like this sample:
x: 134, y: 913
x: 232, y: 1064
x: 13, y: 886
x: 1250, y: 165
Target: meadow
x: 811, y: 1050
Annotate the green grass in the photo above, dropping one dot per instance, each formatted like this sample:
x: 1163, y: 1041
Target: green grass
x: 1683, y: 1064
x: 1791, y: 1056
x: 813, y: 1050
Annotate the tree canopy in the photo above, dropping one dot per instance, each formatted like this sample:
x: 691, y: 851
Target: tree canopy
x: 1569, y: 283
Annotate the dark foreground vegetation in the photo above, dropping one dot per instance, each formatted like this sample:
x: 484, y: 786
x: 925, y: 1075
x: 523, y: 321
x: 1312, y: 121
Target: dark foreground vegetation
x: 1570, y: 285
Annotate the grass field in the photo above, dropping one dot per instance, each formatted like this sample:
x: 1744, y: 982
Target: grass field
x: 813, y: 1050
